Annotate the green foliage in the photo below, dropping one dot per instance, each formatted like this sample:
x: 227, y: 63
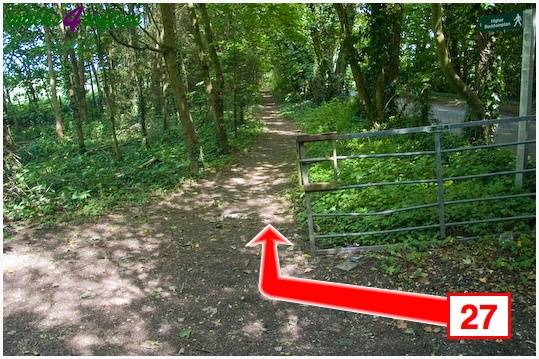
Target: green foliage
x: 390, y: 266
x: 54, y: 180
x: 339, y: 116
x: 185, y: 333
x: 517, y: 254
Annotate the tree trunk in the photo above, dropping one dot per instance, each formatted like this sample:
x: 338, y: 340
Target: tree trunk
x: 212, y: 50
x: 74, y: 84
x: 340, y: 70
x: 352, y: 56
x: 472, y: 99
x: 235, y: 107
x: 52, y: 83
x: 112, y: 104
x: 75, y: 94
x: 213, y: 98
x: 82, y: 76
x: 379, y: 96
x: 109, y: 88
x: 164, y: 94
x: 178, y: 86
x: 97, y: 84
x: 157, y: 88
x: 392, y: 74
x: 82, y: 85
x: 242, y: 119
x: 6, y: 95
x: 484, y: 49
x: 9, y: 143
x: 94, y: 102
x: 30, y: 91
x: 137, y: 76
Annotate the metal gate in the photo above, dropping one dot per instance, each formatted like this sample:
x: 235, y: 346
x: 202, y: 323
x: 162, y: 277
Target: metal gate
x: 437, y: 152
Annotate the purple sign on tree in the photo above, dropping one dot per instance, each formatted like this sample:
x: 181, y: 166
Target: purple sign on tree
x: 72, y: 18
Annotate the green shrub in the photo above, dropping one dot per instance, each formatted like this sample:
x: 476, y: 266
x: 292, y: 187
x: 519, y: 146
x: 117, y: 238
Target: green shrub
x: 341, y: 116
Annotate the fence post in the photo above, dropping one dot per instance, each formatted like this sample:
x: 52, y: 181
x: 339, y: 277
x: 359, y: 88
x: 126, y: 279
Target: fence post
x: 334, y: 160
x: 526, y: 89
x: 304, y: 180
x: 310, y: 223
x: 440, y: 182
x: 303, y: 177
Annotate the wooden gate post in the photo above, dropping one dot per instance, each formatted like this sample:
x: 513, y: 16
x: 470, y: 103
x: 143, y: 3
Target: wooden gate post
x: 526, y: 89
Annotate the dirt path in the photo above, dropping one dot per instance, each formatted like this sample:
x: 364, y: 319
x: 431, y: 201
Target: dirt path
x: 175, y: 278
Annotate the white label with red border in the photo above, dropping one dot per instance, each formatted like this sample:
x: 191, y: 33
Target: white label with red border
x: 479, y: 316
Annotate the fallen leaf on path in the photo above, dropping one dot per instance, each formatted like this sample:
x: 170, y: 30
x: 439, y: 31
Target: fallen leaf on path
x: 210, y: 310
x: 401, y: 324
x: 410, y: 331
x: 185, y: 333
x: 151, y: 344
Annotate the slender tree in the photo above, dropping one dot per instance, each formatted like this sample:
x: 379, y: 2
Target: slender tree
x: 214, y: 99
x: 212, y: 49
x: 346, y: 18
x: 169, y: 50
x: 139, y: 82
x: 52, y: 82
x: 110, y: 89
x: 472, y: 99
x: 75, y: 93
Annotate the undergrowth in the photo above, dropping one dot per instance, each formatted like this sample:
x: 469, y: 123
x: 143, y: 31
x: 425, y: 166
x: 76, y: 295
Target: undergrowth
x: 51, y: 181
x: 341, y: 116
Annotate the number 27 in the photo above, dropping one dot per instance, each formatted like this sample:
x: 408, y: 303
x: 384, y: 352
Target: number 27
x: 467, y: 323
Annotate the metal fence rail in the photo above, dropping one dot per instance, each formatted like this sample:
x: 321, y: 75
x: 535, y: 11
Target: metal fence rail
x: 438, y: 151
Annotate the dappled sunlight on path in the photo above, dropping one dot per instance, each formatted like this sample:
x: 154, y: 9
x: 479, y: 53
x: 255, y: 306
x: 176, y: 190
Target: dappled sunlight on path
x: 129, y: 283
x: 174, y: 277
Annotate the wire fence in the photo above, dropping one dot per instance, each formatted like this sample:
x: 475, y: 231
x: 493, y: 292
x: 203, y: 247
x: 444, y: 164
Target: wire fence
x: 438, y: 152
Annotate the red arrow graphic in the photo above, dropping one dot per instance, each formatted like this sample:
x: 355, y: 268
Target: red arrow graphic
x: 382, y: 302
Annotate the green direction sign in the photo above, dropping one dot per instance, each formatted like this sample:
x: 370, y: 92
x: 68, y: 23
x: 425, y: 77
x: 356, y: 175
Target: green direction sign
x: 500, y: 22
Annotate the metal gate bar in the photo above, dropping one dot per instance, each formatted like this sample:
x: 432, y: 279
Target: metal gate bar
x: 436, y: 130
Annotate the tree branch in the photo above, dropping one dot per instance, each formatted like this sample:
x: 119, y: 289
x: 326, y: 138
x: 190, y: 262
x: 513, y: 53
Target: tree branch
x: 126, y: 44
x: 149, y: 35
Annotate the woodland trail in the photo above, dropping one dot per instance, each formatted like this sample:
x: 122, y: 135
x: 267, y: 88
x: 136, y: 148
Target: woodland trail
x: 174, y: 277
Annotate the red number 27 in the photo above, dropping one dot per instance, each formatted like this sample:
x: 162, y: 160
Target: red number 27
x: 467, y: 323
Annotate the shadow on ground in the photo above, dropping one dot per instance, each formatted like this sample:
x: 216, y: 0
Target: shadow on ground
x: 174, y: 277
